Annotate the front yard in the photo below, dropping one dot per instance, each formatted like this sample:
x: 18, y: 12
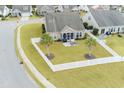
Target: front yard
x: 107, y: 75
x: 64, y: 54
x: 116, y: 43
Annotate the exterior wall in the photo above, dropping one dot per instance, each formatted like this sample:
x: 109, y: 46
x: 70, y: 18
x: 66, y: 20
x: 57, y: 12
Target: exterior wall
x: 5, y: 11
x: 114, y: 29
x: 57, y: 35
x: 1, y: 12
x: 16, y: 13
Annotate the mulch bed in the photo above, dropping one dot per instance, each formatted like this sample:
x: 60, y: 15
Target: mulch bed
x: 87, y: 56
x: 50, y: 57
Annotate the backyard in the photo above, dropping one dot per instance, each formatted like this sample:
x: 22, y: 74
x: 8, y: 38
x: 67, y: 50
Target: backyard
x: 107, y: 75
x: 64, y: 54
x: 116, y: 43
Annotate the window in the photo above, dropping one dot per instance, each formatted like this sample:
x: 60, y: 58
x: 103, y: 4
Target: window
x: 118, y: 29
x: 102, y: 31
x: 77, y: 35
x: 55, y: 37
x: 80, y: 34
x: 112, y: 30
x: 72, y: 35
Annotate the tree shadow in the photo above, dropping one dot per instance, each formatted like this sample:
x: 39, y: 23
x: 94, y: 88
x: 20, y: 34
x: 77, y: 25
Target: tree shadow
x: 91, y: 56
x: 50, y: 56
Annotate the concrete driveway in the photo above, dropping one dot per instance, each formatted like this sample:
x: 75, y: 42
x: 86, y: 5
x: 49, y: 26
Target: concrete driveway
x: 12, y: 74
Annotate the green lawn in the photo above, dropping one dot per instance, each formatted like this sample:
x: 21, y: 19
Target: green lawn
x: 107, y: 75
x: 74, y: 53
x: 9, y: 18
x: 116, y: 43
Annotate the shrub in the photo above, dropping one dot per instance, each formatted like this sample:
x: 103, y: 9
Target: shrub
x: 119, y: 35
x: 9, y: 6
x: 85, y: 25
x: 43, y: 27
x: 95, y: 31
x: 90, y: 27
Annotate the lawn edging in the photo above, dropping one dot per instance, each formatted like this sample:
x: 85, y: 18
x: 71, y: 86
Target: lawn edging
x: 72, y: 65
x: 103, y: 45
x: 36, y: 73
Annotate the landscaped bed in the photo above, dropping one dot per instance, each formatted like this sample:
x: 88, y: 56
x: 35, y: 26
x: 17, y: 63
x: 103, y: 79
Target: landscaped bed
x: 64, y: 54
x: 116, y: 43
x: 107, y: 75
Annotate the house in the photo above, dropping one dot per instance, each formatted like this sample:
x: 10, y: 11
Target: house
x: 104, y: 7
x: 45, y: 9
x: 68, y: 8
x: 105, y: 20
x: 114, y: 7
x: 64, y: 26
x: 4, y: 10
x: 21, y: 10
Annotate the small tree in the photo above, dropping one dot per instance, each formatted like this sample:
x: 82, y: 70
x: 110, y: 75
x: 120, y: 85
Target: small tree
x: 90, y: 42
x: 90, y: 27
x: 47, y: 40
x: 43, y: 28
x: 95, y: 31
x: 9, y: 6
x: 85, y: 25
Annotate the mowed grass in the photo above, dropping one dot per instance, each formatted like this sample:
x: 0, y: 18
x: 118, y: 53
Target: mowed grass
x: 64, y: 54
x: 116, y: 43
x: 107, y: 75
x: 10, y: 18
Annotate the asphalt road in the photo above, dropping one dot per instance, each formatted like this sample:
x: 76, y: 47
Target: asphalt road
x: 12, y: 74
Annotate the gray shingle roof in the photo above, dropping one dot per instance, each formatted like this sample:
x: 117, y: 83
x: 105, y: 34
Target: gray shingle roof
x: 1, y: 8
x: 68, y: 7
x: 57, y: 21
x: 107, y: 17
x: 47, y: 8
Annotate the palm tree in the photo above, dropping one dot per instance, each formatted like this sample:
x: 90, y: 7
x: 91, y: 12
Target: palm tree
x: 90, y: 42
x: 47, y: 40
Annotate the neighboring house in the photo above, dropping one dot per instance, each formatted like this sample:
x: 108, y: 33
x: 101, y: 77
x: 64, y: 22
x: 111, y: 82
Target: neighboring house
x: 115, y: 7
x: 119, y: 8
x: 69, y: 8
x: 4, y: 10
x: 21, y: 10
x: 104, y: 7
x: 45, y: 9
x: 106, y: 20
x: 64, y: 26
